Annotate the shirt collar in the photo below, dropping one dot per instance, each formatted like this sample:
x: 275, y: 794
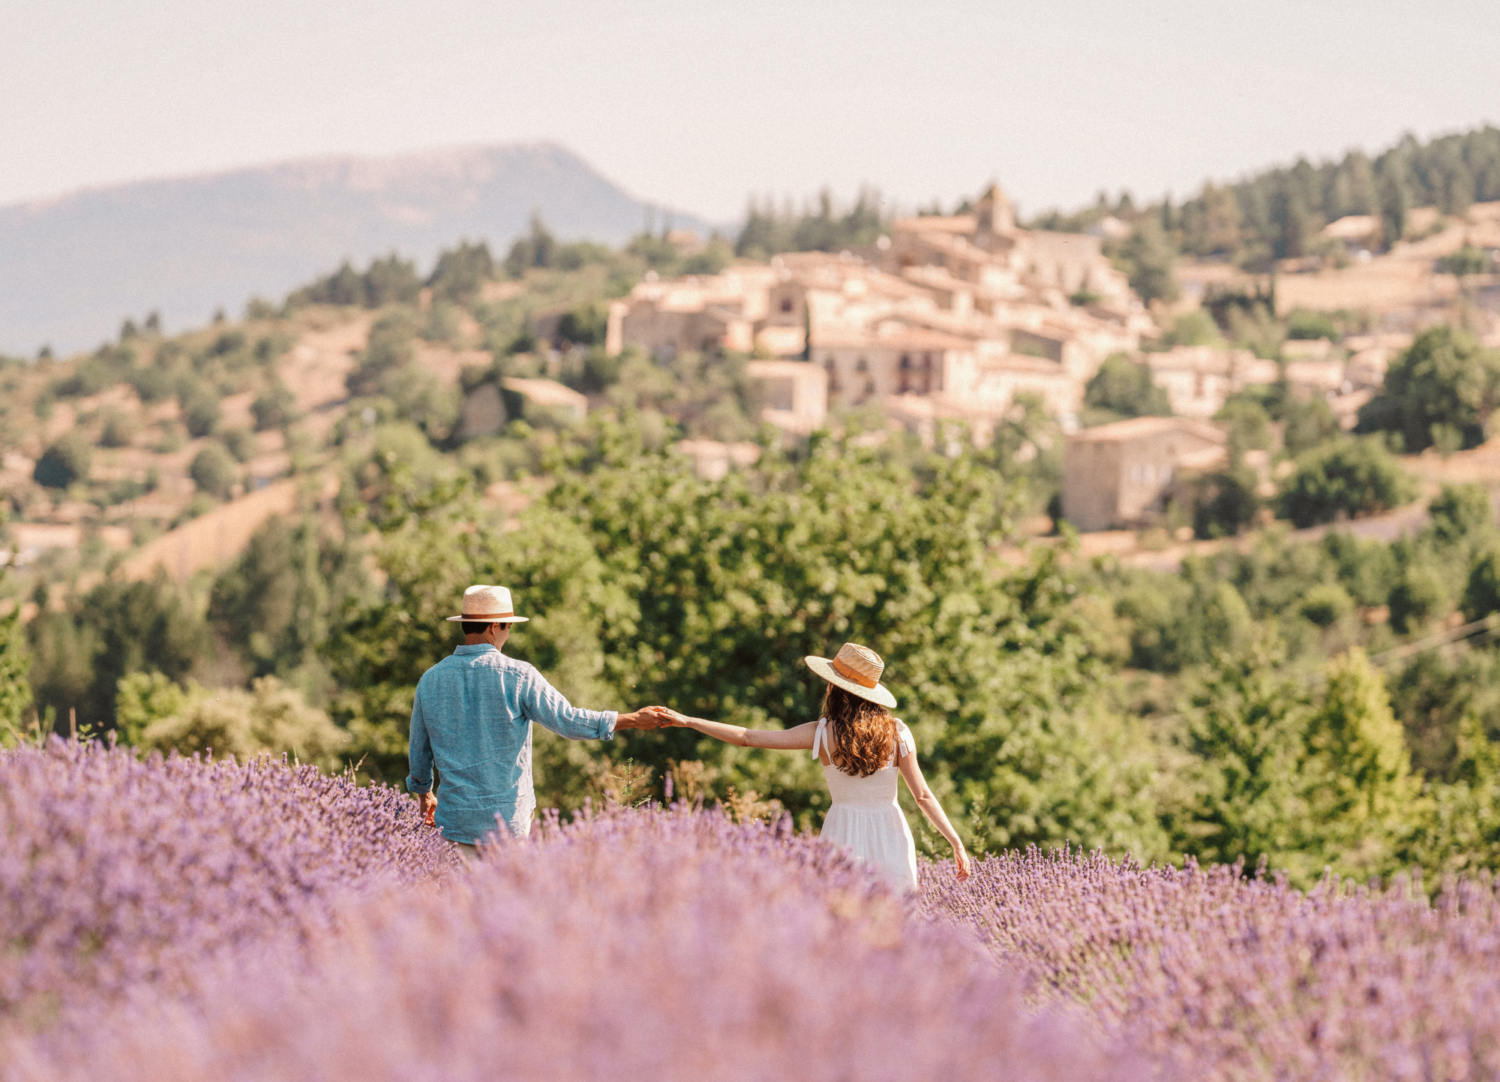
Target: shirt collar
x: 465, y: 650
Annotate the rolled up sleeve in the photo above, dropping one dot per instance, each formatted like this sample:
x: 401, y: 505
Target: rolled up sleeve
x: 545, y: 705
x: 419, y: 751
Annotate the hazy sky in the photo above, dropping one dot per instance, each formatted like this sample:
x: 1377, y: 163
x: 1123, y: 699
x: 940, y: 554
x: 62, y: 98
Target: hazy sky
x: 699, y: 104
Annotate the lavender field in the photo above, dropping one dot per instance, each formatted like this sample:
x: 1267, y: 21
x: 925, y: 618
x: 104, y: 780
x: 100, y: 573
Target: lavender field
x: 180, y: 919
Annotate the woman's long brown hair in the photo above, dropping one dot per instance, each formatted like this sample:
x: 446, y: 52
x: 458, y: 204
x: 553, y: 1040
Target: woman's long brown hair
x: 861, y: 734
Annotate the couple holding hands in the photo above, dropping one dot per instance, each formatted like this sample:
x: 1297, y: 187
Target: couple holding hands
x: 472, y: 718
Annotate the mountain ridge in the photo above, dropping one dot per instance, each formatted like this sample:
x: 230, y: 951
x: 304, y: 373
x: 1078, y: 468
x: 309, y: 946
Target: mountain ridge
x: 72, y: 266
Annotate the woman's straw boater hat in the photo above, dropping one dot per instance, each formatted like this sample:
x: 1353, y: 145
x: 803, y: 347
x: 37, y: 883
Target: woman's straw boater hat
x: 490, y: 605
x: 857, y: 670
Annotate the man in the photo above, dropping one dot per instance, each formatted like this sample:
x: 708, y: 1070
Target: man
x: 472, y: 718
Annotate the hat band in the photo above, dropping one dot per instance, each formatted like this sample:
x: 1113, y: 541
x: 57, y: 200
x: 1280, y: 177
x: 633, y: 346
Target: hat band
x: 488, y: 615
x: 849, y: 674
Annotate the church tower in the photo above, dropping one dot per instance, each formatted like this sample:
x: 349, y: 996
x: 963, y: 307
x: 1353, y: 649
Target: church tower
x: 995, y: 213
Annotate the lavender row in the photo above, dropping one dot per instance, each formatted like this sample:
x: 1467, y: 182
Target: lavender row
x: 116, y: 873
x: 634, y: 944
x: 1234, y: 977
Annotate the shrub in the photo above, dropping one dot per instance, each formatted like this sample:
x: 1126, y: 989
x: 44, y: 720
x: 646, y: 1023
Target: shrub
x: 119, y: 429
x: 1446, y: 382
x: 65, y: 462
x: 1344, y: 479
x: 1460, y: 512
x: 1122, y: 388
x: 229, y: 721
x: 240, y: 442
x: 200, y: 408
x: 1326, y: 604
x: 1419, y: 597
x: 152, y: 385
x: 214, y: 471
x: 275, y: 407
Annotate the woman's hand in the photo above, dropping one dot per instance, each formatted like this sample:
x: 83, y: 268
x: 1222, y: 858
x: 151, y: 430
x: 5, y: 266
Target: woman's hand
x: 667, y: 716
x: 961, y: 858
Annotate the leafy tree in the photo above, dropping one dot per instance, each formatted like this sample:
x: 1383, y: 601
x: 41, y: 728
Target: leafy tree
x: 78, y: 657
x: 15, y: 668
x: 1445, y: 380
x: 584, y: 325
x: 214, y: 471
x: 65, y: 462
x: 1461, y: 513
x: 769, y: 229
x: 1362, y: 792
x: 460, y: 272
x: 1420, y: 596
x: 269, y: 718
x: 650, y: 585
x: 1307, y: 424
x: 1121, y: 388
x: 1344, y: 479
x: 200, y: 407
x: 275, y: 407
x: 1148, y: 260
x: 1246, y: 734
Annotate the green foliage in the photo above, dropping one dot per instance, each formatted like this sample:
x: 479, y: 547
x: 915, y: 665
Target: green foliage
x: 1467, y: 260
x: 1148, y: 259
x: 275, y: 604
x: 460, y: 272
x: 391, y: 280
x: 65, y: 462
x: 79, y: 656
x: 1326, y: 604
x: 1246, y: 734
x: 214, y: 471
x: 1122, y: 388
x: 239, y: 442
x: 648, y: 584
x: 1462, y: 831
x: 1307, y: 424
x: 15, y: 683
x: 275, y: 407
x: 200, y: 406
x: 119, y: 429
x: 1181, y: 621
x: 270, y: 718
x: 769, y: 229
x: 1362, y: 795
x: 584, y: 325
x: 1195, y: 328
x: 1306, y: 324
x: 1446, y: 380
x: 1344, y: 478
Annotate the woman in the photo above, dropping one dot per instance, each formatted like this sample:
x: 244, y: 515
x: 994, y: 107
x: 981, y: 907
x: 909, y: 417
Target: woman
x: 862, y: 749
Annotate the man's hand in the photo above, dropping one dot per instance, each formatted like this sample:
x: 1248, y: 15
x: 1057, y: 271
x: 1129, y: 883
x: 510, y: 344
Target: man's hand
x: 645, y: 718
x: 426, y: 806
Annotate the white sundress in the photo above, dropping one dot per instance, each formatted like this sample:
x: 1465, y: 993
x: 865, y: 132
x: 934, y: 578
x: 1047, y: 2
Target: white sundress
x: 865, y: 816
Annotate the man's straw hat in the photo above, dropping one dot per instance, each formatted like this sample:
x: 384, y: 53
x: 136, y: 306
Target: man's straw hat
x: 490, y: 605
x: 857, y: 670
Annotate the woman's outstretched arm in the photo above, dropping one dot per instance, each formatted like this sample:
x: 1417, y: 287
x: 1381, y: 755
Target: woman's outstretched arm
x: 797, y: 738
x: 933, y: 810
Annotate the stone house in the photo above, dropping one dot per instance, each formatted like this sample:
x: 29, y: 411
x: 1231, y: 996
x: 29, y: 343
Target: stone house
x: 1200, y: 379
x: 1121, y: 475
x: 793, y: 394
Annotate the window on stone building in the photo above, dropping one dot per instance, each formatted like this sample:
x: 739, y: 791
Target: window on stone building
x: 786, y: 304
x: 833, y: 375
x: 905, y: 384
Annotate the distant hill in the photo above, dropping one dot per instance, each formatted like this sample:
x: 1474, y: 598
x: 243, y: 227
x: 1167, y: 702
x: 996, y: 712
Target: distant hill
x: 72, y: 268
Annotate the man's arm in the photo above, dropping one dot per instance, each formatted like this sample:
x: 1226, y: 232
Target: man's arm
x: 545, y: 705
x: 419, y: 755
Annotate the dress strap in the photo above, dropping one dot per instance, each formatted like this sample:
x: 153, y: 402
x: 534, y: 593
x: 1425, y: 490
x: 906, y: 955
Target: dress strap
x: 905, y: 743
x: 820, y: 736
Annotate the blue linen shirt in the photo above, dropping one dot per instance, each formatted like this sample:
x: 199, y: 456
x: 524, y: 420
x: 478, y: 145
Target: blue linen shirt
x: 472, y: 717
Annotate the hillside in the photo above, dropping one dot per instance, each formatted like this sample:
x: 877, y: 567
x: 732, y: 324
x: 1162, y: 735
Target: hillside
x: 72, y: 268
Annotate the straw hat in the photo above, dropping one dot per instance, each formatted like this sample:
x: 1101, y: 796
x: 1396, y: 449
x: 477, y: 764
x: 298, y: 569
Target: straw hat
x: 490, y: 605
x: 857, y: 670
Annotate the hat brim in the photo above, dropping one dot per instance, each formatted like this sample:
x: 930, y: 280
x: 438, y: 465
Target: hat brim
x: 823, y: 667
x: 489, y: 620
